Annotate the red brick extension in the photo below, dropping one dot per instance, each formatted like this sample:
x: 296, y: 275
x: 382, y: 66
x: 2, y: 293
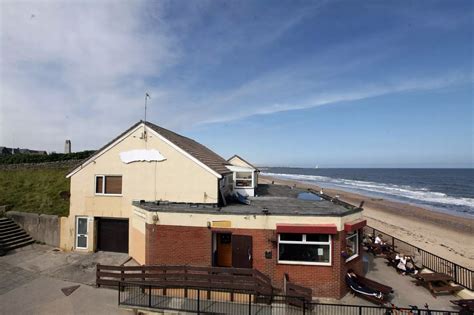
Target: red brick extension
x: 179, y: 245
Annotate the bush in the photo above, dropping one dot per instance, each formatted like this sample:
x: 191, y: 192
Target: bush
x: 53, y: 157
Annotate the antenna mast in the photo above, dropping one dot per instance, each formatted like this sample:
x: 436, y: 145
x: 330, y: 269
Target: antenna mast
x: 147, y: 96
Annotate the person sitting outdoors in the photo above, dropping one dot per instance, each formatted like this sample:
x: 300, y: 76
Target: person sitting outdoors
x: 379, y: 240
x: 353, y: 283
x: 383, y: 245
x: 405, y: 265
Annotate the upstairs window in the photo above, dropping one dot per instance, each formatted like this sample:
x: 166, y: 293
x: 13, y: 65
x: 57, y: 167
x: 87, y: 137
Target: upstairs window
x: 108, y: 185
x: 305, y: 249
x: 243, y: 179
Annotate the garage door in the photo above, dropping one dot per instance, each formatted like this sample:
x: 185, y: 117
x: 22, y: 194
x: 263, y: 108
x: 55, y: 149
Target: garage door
x: 112, y: 235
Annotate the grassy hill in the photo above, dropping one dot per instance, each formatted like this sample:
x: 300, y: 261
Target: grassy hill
x: 35, y: 190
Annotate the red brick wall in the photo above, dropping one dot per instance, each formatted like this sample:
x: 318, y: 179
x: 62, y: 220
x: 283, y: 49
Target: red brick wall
x: 178, y: 245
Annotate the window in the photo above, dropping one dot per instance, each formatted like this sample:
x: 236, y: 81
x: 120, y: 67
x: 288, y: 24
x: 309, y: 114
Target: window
x: 352, y: 245
x: 243, y: 179
x: 108, y: 185
x: 309, y: 249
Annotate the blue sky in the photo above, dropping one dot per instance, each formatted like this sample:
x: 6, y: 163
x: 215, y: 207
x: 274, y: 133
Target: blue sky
x: 297, y: 83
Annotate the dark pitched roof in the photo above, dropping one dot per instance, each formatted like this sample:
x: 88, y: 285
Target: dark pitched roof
x: 235, y: 155
x: 79, y: 164
x: 197, y: 150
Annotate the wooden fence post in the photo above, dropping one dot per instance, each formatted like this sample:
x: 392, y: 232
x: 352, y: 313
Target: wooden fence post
x: 97, y: 277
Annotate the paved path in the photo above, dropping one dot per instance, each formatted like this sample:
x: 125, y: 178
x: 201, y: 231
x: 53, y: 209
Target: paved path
x: 405, y: 291
x: 69, y: 266
x: 12, y: 277
x: 31, y: 280
x: 43, y: 295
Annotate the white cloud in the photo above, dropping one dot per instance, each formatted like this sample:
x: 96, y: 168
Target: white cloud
x: 75, y: 70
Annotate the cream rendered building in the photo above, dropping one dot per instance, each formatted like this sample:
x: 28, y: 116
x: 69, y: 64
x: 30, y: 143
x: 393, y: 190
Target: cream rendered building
x: 245, y: 176
x: 167, y: 200
x: 146, y: 162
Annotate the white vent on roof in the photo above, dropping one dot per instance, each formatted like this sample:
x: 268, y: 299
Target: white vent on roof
x: 141, y: 155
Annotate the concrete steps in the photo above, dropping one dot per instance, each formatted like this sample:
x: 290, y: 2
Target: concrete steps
x: 12, y: 236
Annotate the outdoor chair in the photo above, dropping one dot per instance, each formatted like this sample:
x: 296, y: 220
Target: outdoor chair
x: 372, y: 286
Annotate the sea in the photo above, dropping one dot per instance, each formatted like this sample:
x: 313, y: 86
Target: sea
x: 445, y: 190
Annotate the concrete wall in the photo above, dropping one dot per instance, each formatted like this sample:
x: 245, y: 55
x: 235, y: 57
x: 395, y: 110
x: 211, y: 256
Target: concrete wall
x: 42, y: 227
x: 241, y: 221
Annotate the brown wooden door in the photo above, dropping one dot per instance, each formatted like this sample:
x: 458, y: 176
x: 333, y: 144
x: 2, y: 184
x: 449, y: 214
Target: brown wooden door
x: 242, y: 256
x: 224, y: 250
x: 112, y: 235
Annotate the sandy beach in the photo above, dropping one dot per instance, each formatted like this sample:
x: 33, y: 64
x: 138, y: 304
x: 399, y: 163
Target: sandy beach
x: 447, y: 236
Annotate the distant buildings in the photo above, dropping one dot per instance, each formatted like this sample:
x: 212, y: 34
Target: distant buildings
x: 12, y: 151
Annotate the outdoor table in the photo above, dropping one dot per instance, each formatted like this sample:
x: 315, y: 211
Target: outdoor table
x: 467, y: 304
x: 437, y: 283
x: 379, y: 249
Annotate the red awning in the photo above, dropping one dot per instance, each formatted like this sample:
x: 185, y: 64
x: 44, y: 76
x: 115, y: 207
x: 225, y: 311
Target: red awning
x: 307, y: 228
x: 354, y: 225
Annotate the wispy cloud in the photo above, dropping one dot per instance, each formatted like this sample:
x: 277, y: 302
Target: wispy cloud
x: 353, y: 93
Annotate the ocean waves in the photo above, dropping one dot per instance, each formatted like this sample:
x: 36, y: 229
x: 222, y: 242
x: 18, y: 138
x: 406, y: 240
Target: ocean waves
x: 407, y: 193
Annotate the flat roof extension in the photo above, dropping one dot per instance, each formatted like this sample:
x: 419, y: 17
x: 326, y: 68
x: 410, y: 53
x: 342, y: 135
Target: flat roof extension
x: 270, y: 200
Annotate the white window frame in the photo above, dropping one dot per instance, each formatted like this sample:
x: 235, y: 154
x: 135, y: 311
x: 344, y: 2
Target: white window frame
x: 356, y: 235
x: 304, y: 242
x: 103, y: 185
x: 77, y: 230
x: 246, y: 179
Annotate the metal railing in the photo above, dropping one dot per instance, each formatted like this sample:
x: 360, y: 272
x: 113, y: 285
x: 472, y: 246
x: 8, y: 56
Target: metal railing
x: 148, y: 296
x: 336, y: 309
x: 461, y: 275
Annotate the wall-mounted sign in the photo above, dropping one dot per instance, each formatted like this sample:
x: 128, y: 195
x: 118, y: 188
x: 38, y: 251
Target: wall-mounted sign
x: 220, y: 224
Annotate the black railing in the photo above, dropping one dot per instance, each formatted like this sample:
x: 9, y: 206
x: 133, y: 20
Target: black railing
x: 461, y: 275
x: 221, y: 301
x: 203, y: 300
x: 336, y: 309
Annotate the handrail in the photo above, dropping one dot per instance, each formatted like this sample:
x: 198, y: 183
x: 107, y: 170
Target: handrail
x: 192, y: 276
x: 461, y: 275
x: 238, y: 302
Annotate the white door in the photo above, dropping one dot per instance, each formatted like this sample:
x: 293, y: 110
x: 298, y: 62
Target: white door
x: 81, y: 232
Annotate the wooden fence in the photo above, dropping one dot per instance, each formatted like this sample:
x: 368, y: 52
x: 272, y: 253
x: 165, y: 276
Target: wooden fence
x: 249, y: 280
x: 295, y: 294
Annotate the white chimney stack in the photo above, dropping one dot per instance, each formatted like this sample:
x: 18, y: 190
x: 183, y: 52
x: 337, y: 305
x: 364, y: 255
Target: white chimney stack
x: 67, y: 147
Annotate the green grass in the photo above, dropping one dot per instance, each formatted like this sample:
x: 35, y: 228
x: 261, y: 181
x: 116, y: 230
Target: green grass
x: 35, y: 190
